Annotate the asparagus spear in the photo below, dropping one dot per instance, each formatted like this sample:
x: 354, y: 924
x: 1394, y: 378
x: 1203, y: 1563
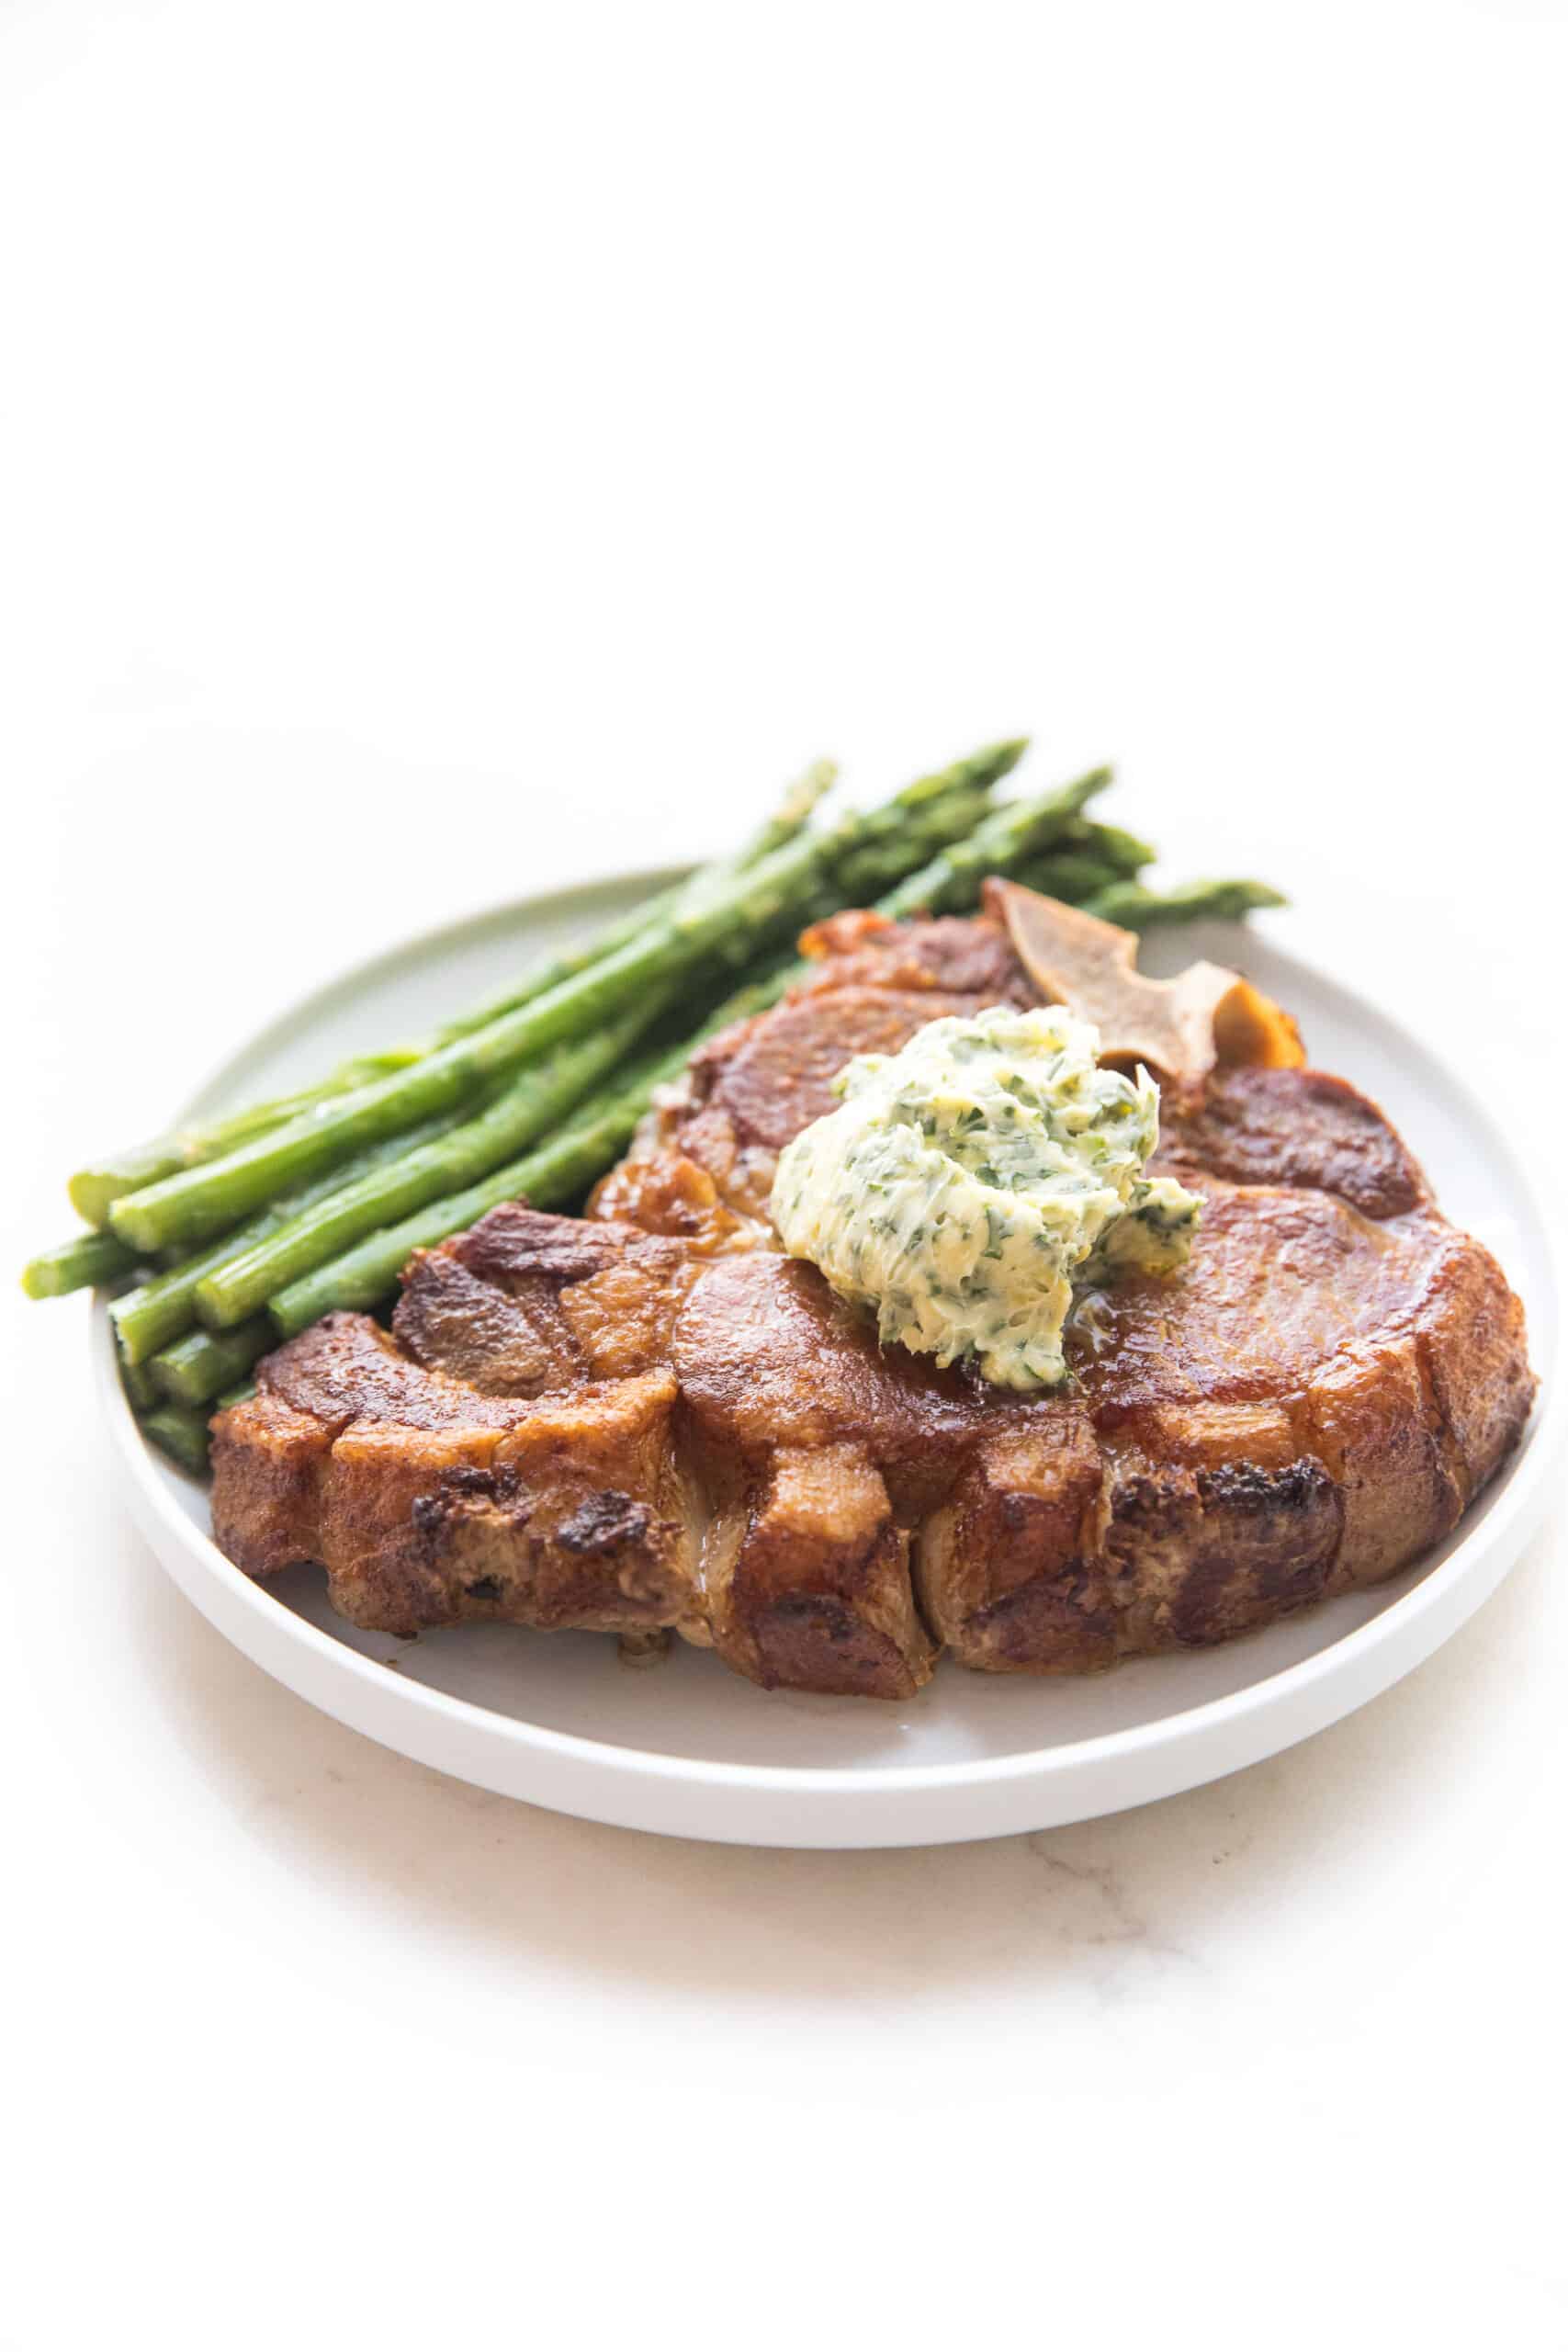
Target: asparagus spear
x: 203, y: 1363
x: 151, y: 1316
x: 536, y: 1098
x: 81, y: 1263
x: 94, y: 1189
x: 1137, y: 909
x: 189, y: 1206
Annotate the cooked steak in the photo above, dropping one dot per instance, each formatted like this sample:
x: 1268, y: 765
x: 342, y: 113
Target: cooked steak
x: 429, y: 1501
x: 648, y: 1417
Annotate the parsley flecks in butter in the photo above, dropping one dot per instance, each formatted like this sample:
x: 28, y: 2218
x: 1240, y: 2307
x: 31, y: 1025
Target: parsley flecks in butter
x: 970, y: 1185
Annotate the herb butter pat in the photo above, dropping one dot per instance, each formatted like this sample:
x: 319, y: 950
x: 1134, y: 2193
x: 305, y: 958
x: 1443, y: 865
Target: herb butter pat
x: 971, y: 1185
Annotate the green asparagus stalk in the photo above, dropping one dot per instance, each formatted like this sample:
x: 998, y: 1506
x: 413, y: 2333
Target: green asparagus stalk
x: 181, y: 1434
x: 157, y: 1311
x: 1138, y: 909
x: 740, y: 920
x: 94, y: 1189
x: 537, y: 1099
x: 1017, y: 830
x: 154, y: 1315
x: 203, y: 1363
x: 81, y: 1263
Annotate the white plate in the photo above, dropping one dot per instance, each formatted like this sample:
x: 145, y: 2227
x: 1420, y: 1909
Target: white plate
x: 687, y: 1748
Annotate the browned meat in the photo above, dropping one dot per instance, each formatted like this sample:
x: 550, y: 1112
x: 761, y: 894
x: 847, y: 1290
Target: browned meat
x: 1307, y: 1406
x: 1293, y: 1126
x: 427, y: 1500
x: 653, y: 1420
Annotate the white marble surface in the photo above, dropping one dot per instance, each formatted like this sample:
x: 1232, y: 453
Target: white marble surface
x: 451, y: 453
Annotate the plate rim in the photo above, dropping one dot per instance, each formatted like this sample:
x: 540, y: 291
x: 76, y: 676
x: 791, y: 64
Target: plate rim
x: 1367, y: 1658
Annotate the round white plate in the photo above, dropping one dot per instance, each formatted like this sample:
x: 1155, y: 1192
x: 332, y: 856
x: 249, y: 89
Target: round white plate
x: 687, y: 1748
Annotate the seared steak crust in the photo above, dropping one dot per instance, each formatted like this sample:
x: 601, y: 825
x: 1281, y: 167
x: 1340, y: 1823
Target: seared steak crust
x: 650, y: 1419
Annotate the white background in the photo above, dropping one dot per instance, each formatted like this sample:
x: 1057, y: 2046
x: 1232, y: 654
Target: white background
x: 448, y: 450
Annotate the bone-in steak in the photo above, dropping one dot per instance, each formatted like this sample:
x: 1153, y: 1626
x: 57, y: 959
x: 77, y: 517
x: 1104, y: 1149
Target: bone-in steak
x: 650, y: 1419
